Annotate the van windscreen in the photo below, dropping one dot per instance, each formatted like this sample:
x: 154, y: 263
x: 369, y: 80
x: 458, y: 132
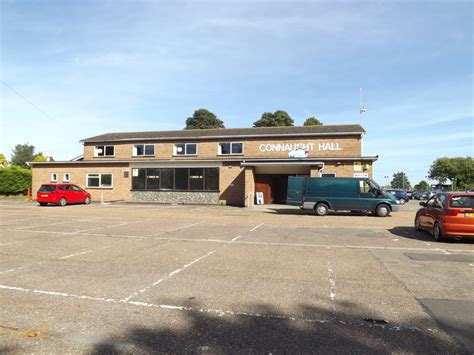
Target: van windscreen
x: 47, y: 188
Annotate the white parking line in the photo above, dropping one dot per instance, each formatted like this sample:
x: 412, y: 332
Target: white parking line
x: 220, y: 312
x: 256, y: 227
x: 1, y: 245
x: 332, y: 281
x: 77, y: 254
x: 175, y: 229
x: 55, y: 224
x: 112, y: 225
x: 170, y: 275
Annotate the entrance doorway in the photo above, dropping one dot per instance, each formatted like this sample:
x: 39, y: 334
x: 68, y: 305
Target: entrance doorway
x: 273, y: 187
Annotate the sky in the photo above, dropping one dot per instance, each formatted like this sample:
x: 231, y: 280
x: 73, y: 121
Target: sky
x: 75, y: 69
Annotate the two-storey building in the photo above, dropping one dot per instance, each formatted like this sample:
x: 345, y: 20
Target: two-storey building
x: 209, y: 166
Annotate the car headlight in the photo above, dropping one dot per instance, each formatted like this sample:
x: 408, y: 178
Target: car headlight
x: 397, y: 202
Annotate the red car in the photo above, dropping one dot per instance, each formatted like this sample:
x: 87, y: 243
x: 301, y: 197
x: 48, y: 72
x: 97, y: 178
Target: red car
x: 447, y: 215
x: 62, y: 194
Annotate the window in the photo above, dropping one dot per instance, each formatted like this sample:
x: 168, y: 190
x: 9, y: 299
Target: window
x: 364, y: 186
x: 196, y: 179
x: 179, y: 179
x: 104, y: 151
x: 99, y: 180
x: 185, y: 149
x: 462, y: 202
x: 328, y: 174
x: 54, y: 177
x: 230, y: 148
x: 143, y: 150
x: 76, y: 188
x: 66, y: 177
x: 65, y: 188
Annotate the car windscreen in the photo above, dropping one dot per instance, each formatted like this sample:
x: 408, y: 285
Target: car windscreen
x: 47, y: 188
x: 462, y: 202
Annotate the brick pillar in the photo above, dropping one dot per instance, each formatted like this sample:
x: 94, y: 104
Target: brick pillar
x: 314, y: 172
x: 249, y: 186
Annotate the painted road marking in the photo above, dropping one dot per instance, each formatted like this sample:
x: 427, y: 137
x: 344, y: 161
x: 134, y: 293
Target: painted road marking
x: 176, y: 229
x: 55, y: 224
x: 256, y: 227
x: 1, y: 245
x: 219, y: 312
x: 170, y: 275
x: 332, y: 281
x: 112, y: 225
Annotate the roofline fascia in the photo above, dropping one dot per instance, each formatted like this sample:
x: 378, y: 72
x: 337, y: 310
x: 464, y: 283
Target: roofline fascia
x: 223, y: 137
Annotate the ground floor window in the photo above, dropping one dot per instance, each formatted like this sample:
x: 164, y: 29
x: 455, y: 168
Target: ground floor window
x: 176, y: 179
x: 328, y: 175
x: 99, y: 180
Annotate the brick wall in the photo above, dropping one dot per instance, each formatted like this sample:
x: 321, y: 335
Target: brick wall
x: 78, y: 176
x: 232, y: 184
x: 321, y: 147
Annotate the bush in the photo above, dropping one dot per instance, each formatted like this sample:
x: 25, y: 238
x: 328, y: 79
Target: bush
x: 14, y: 180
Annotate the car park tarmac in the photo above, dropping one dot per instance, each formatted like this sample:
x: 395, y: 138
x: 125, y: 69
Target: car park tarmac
x: 132, y: 278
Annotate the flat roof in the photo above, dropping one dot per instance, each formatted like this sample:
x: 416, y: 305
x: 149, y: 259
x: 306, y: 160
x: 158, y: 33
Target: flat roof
x: 199, y: 134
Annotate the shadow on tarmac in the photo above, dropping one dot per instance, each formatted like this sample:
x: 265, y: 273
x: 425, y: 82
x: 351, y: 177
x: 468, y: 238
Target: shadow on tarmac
x: 300, y: 212
x: 321, y: 331
x: 411, y: 233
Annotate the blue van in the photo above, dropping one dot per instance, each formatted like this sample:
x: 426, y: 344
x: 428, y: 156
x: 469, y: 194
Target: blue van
x: 350, y: 194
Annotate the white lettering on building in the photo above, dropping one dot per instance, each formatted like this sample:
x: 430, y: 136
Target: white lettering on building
x: 286, y: 147
x: 329, y: 146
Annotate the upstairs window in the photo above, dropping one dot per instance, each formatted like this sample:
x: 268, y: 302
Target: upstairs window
x: 230, y: 148
x: 185, y: 149
x: 104, y: 151
x: 140, y: 150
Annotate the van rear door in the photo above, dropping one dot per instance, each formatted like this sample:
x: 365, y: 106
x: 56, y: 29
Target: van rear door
x: 295, y: 193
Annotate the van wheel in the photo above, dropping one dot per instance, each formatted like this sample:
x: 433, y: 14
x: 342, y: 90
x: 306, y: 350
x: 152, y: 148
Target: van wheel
x: 62, y: 202
x: 437, y: 233
x: 321, y: 209
x: 382, y: 210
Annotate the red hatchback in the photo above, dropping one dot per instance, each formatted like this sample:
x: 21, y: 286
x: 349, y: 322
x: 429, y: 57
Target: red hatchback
x: 447, y: 215
x: 62, y: 194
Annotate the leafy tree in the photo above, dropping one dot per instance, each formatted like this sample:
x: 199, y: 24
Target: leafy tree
x: 400, y: 181
x: 23, y: 153
x: 276, y: 119
x: 40, y: 158
x: 203, y: 119
x: 422, y: 186
x: 14, y: 180
x: 459, y: 170
x: 312, y: 121
x: 3, y: 161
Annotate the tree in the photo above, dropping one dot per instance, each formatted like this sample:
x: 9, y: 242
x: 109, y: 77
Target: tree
x: 312, y: 121
x: 276, y: 119
x: 23, y: 153
x: 459, y: 170
x: 3, y: 161
x: 203, y: 119
x: 400, y: 181
x: 40, y: 158
x: 422, y: 186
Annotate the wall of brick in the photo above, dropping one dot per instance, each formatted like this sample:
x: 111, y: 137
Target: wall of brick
x: 78, y: 176
x: 321, y: 147
x: 232, y: 184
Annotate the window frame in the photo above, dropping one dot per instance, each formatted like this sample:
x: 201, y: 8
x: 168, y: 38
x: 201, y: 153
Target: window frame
x: 68, y: 177
x: 88, y: 175
x: 176, y: 154
x: 54, y: 177
x: 105, y: 146
x: 134, y: 150
x: 219, y: 148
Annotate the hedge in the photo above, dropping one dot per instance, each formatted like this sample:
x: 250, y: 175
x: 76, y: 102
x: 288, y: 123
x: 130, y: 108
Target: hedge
x: 14, y: 180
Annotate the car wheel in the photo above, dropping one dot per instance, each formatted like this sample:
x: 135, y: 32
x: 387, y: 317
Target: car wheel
x: 417, y: 224
x: 62, y: 202
x: 87, y: 200
x: 321, y: 209
x: 382, y: 210
x: 402, y: 201
x: 437, y: 233
x: 42, y: 203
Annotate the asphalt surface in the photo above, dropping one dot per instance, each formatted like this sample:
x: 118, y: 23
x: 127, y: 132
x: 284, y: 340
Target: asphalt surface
x: 131, y: 278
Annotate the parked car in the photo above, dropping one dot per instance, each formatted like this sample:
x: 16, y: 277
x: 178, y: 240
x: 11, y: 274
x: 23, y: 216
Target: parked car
x: 400, y: 195
x: 62, y: 194
x: 417, y: 195
x: 410, y: 194
x: 447, y: 215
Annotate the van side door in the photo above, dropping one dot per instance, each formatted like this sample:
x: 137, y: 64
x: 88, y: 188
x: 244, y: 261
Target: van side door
x: 366, y: 199
x: 295, y: 192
